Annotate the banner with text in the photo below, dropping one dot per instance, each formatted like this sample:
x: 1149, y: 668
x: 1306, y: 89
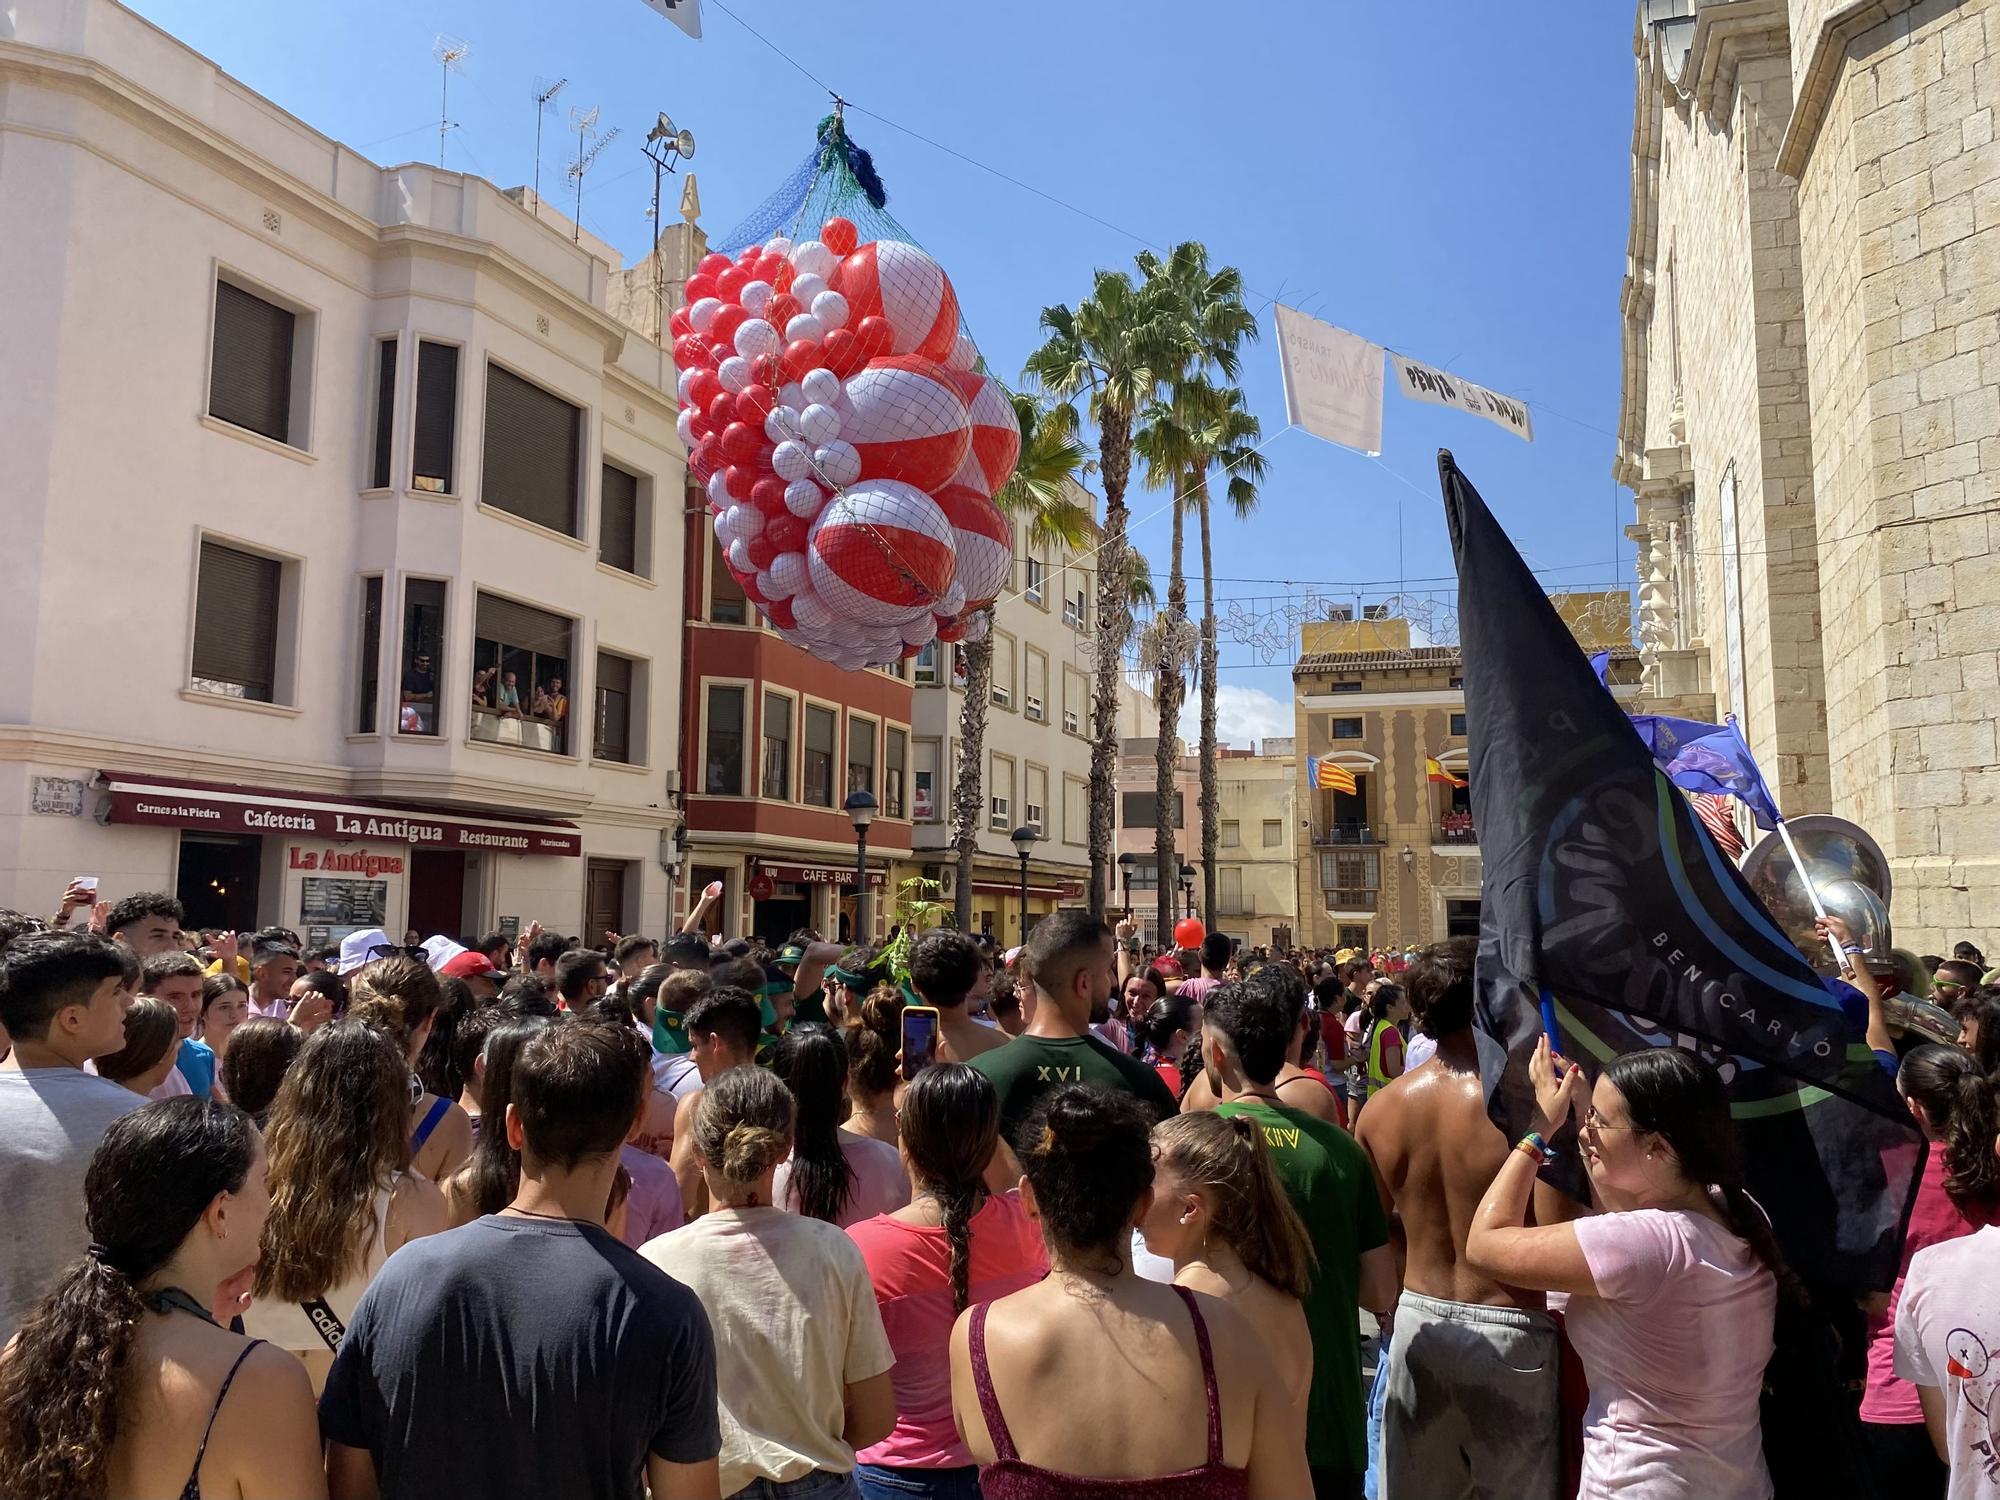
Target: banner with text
x: 1421, y: 382
x: 1333, y: 381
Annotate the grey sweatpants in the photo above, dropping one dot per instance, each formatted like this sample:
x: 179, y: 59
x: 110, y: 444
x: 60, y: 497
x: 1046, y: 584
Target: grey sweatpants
x: 1470, y: 1412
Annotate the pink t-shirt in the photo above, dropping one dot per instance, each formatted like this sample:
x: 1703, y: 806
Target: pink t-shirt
x: 880, y: 1185
x: 910, y: 1267
x: 1934, y: 1218
x: 1674, y: 1345
x: 653, y: 1207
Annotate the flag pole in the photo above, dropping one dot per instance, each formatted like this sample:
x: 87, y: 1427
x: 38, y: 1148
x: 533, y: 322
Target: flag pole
x: 1798, y: 863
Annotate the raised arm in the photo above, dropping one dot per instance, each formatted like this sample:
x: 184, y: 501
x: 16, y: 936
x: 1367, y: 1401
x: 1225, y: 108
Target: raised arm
x: 1500, y: 1243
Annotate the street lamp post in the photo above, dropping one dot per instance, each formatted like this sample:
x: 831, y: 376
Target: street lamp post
x: 1025, y: 838
x: 1125, y: 863
x: 1187, y: 886
x: 860, y: 808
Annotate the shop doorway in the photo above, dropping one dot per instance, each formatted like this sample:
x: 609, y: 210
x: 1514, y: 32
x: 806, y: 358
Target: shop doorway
x: 217, y: 880
x: 1461, y: 919
x: 437, y: 892
x: 604, y: 900
x: 782, y: 913
x: 700, y: 878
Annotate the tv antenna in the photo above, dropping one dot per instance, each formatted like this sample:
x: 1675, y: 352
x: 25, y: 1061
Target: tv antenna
x: 544, y: 99
x: 450, y: 53
x: 665, y: 145
x: 584, y: 123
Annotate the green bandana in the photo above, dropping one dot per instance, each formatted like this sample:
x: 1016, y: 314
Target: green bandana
x: 792, y: 954
x: 849, y: 977
x: 670, y: 1032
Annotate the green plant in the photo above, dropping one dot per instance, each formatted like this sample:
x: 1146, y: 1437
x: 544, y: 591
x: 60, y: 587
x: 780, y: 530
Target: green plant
x: 916, y: 909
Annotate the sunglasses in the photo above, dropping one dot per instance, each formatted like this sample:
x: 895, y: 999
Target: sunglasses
x: 396, y: 950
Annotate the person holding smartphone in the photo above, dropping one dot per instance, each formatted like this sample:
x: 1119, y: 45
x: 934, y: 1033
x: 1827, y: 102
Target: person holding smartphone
x: 945, y: 967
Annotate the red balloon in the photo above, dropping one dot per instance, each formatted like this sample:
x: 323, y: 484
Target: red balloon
x: 761, y: 552
x: 720, y: 411
x: 698, y: 421
x: 767, y: 267
x: 874, y: 335
x: 786, y: 275
x: 700, y: 285
x: 780, y: 611
x: 754, y: 403
x: 842, y: 352
x: 729, y: 285
x: 765, y: 373
x: 704, y: 388
x: 713, y: 264
x: 787, y: 532
x: 912, y: 651
x: 784, y: 307
x: 768, y: 495
x: 1188, y: 931
x: 801, y: 356
x: 740, y: 442
x: 840, y: 236
x: 703, y: 460
x: 722, y: 332
x: 680, y: 323
x: 748, y: 256
x: 750, y: 591
x: 688, y: 352
x: 952, y: 631
x: 740, y: 480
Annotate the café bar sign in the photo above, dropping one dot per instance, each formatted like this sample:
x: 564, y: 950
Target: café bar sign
x: 242, y: 809
x: 820, y: 874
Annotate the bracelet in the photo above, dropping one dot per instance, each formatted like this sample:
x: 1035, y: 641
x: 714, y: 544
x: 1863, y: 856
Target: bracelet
x: 1532, y: 1144
x: 1855, y: 949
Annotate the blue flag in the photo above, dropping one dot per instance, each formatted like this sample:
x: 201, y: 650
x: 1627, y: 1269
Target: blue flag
x: 1700, y: 757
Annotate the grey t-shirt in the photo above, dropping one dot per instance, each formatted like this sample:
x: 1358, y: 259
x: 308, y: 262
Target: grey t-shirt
x: 530, y: 1357
x: 51, y: 1120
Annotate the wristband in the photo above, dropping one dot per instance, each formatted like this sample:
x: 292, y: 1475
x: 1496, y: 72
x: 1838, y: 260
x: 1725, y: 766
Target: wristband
x: 1532, y: 1144
x: 1854, y: 948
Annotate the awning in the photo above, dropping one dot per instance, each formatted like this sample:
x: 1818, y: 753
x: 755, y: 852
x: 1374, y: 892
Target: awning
x: 224, y: 808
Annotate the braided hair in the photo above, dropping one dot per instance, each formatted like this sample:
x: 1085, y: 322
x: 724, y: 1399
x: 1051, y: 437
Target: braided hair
x: 951, y: 1127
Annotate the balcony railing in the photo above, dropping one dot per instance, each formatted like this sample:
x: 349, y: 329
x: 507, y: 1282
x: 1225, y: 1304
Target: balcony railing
x: 1351, y: 832
x: 1455, y: 829
x: 1350, y: 898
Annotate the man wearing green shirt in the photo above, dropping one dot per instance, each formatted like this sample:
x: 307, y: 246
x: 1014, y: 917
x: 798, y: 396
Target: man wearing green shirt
x: 1245, y: 1031
x: 1070, y: 960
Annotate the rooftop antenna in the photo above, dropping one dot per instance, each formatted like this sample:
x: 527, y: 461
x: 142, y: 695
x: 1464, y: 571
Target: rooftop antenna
x: 583, y: 122
x: 544, y: 98
x: 450, y: 54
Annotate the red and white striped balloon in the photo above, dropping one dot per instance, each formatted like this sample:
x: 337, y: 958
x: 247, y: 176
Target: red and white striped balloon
x: 985, y: 543
x: 908, y: 421
x: 996, y: 433
x: 881, y: 553
x: 907, y: 289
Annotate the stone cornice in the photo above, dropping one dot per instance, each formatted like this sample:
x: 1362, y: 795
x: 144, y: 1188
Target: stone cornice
x: 1813, y: 86
x: 1725, y: 37
x: 1635, y: 292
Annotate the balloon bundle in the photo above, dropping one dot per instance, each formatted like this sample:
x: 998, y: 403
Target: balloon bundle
x: 833, y: 407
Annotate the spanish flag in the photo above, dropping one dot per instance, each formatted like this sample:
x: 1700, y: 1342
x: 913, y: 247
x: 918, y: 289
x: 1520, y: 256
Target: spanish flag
x: 1327, y: 776
x: 1435, y: 768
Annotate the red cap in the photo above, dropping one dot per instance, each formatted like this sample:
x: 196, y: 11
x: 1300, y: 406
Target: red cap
x: 469, y: 966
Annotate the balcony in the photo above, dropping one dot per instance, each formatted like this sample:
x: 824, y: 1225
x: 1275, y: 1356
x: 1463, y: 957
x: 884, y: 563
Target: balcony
x: 1352, y: 833
x: 1349, y: 899
x: 1454, y: 829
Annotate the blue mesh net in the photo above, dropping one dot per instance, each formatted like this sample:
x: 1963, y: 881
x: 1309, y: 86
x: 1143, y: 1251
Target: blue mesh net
x: 837, y: 179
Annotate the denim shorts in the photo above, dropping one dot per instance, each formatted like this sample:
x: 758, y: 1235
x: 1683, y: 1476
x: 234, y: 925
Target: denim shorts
x: 879, y: 1482
x: 818, y: 1485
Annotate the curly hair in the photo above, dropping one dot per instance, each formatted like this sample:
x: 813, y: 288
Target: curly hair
x: 62, y: 1383
x: 339, y: 1133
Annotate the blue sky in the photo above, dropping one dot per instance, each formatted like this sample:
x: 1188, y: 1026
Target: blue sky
x: 1451, y: 180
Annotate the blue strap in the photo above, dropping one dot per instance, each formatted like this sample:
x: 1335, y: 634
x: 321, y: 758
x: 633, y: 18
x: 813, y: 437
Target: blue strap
x: 426, y: 1125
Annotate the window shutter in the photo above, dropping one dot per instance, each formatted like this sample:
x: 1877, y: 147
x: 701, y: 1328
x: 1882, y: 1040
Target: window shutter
x: 523, y: 627
x: 385, y: 413
x: 533, y: 446
x: 236, y: 620
x: 614, y: 707
x: 437, y: 417
x: 618, y: 520
x: 250, y: 371
x: 371, y: 651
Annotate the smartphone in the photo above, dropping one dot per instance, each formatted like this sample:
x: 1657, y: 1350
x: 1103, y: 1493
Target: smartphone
x: 920, y: 1038
x: 89, y: 881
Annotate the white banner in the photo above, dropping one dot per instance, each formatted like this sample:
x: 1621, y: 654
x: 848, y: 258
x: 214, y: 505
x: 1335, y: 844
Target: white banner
x: 685, y: 14
x: 1333, y: 381
x: 1423, y: 383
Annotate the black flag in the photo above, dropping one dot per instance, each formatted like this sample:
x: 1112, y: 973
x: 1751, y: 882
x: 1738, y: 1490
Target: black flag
x: 1600, y: 887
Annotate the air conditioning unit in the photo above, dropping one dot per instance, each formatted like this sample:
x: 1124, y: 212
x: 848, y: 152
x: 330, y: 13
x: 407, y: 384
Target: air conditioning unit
x: 1069, y: 720
x: 1003, y: 696
x: 1035, y: 707
x: 1034, y: 817
x: 999, y: 814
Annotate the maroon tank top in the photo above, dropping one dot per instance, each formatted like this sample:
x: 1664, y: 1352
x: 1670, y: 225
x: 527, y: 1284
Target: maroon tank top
x: 1008, y: 1478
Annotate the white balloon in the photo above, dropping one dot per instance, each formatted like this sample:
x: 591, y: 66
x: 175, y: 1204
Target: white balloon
x: 803, y: 498
x: 718, y: 492
x: 789, y: 574
x: 811, y: 612
x: 684, y: 386
x: 826, y: 651
x: 919, y: 631
x: 964, y: 354
x: 830, y: 308
x: 745, y: 521
x: 739, y: 555
x: 756, y: 297
x: 839, y: 463
x: 793, y: 394
x: 977, y: 627
x: 953, y: 601
x: 734, y: 372
x: 813, y: 259
x: 805, y: 326
x: 778, y: 244
x: 702, y: 314
x: 754, y: 337
x: 723, y: 535
x: 792, y: 461
x: 821, y: 386
x: 684, y: 426
x: 782, y: 423
x: 819, y: 425
x: 764, y: 585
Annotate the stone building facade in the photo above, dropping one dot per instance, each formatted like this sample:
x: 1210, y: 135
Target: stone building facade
x: 1811, y: 412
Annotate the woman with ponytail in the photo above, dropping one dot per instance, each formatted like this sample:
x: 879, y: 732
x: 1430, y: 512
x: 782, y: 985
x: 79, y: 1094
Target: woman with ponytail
x: 802, y: 1364
x: 121, y: 1382
x: 832, y: 1174
x: 489, y: 1180
x: 1959, y: 1193
x: 1673, y: 1284
x: 1221, y: 1215
x: 401, y: 998
x: 955, y: 1245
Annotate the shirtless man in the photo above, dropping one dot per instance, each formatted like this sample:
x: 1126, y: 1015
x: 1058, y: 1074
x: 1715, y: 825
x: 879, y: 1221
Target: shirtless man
x: 1297, y: 1088
x: 1470, y: 1410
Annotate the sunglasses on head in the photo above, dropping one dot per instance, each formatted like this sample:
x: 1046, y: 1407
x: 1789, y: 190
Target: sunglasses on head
x: 395, y: 950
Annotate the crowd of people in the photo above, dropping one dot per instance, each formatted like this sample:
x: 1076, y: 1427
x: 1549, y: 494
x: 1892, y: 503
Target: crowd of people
x: 544, y: 1217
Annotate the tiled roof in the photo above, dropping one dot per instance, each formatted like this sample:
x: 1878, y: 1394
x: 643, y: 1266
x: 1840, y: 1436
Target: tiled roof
x: 1416, y: 658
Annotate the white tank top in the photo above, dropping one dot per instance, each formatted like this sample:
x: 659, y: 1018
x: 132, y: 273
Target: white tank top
x: 289, y: 1326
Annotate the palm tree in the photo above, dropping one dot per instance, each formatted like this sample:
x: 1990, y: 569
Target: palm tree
x: 1181, y: 437
x: 1042, y: 490
x: 1116, y: 345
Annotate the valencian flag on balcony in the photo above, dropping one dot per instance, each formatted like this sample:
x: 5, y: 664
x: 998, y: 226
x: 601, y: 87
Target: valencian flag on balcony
x: 1600, y: 887
x: 1328, y: 777
x: 1434, y: 769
